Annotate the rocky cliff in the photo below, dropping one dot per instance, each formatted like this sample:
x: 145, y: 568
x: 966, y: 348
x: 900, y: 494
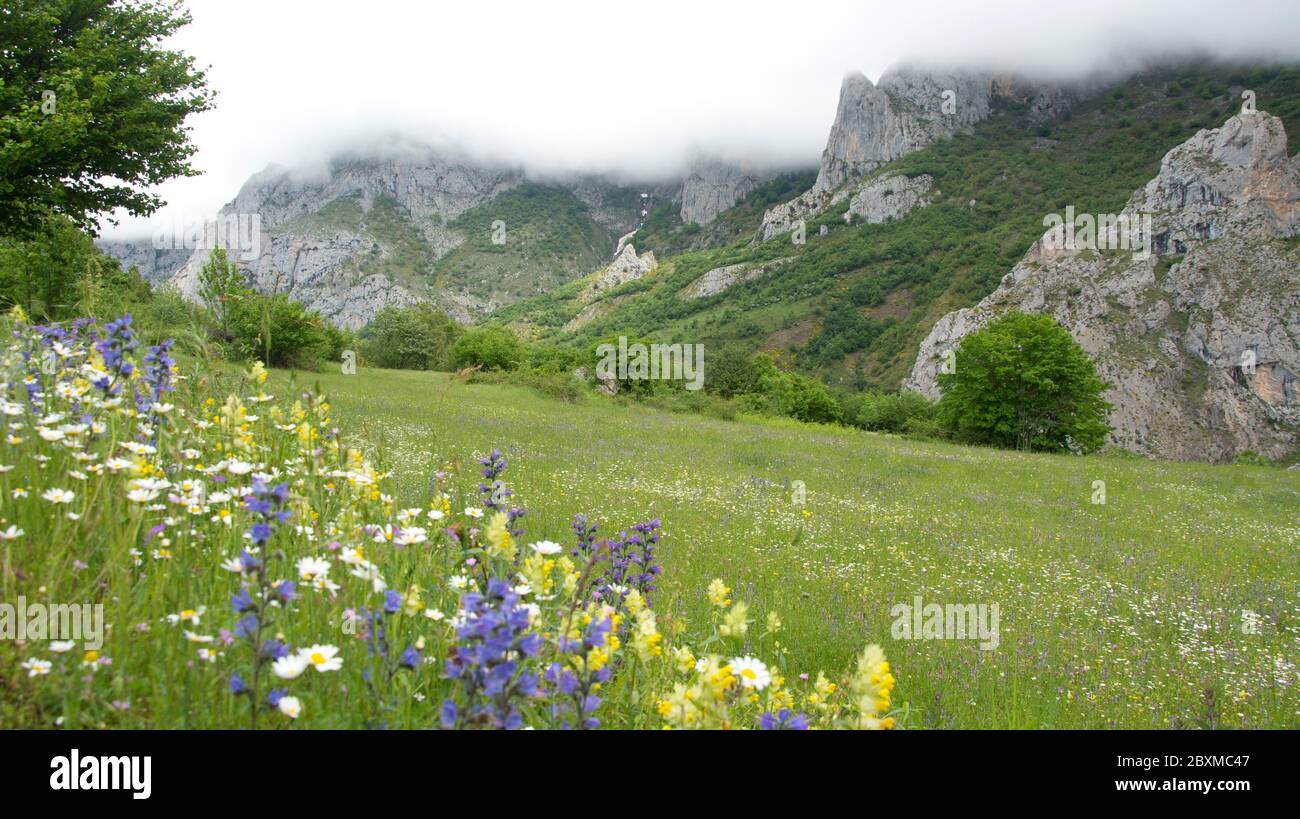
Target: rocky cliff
x: 156, y: 266
x: 389, y: 225
x: 713, y: 186
x: 908, y: 109
x: 1200, y: 337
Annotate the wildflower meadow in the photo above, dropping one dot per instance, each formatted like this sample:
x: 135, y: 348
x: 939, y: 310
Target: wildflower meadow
x: 261, y: 564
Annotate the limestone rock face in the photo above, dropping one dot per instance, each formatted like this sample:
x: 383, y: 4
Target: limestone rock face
x: 312, y: 248
x: 713, y: 186
x: 1200, y: 338
x: 720, y: 278
x: 889, y: 197
x: 908, y: 109
x: 155, y: 266
x: 628, y: 266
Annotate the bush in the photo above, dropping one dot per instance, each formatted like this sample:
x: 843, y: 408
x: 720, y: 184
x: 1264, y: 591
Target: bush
x: 492, y: 348
x: 1024, y: 382
x: 889, y: 412
x: 281, y: 332
x: 780, y: 392
x: 414, y: 337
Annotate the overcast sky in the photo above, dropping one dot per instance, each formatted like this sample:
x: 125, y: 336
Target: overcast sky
x: 631, y: 87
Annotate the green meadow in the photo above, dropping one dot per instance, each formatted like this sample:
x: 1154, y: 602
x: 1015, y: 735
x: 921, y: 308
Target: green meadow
x: 1164, y: 596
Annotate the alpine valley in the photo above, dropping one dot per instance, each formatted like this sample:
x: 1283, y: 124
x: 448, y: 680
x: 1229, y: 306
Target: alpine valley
x: 926, y: 217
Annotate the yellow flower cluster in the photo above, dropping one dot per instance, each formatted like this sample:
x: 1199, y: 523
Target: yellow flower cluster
x: 871, y: 687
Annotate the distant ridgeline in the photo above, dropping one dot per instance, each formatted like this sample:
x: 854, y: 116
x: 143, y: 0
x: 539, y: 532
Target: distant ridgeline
x: 934, y: 186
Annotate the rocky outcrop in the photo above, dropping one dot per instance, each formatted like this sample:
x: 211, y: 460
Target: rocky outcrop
x: 628, y: 266
x: 713, y: 186
x: 314, y: 245
x: 720, y: 278
x: 155, y: 266
x: 908, y: 109
x: 889, y: 197
x: 1200, y: 337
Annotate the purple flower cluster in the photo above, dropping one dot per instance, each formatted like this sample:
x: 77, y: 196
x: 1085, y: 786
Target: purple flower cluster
x: 157, y: 375
x: 577, y: 690
x: 268, y: 504
x: 783, y: 720
x: 494, y: 489
x: 495, y: 492
x: 114, y: 347
x: 495, y: 631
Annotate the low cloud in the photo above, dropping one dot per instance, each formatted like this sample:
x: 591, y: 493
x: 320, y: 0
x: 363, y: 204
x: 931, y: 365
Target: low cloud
x: 635, y: 89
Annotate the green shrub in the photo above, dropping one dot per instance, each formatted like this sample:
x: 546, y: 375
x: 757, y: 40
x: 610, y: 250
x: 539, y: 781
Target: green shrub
x: 889, y: 412
x: 492, y: 348
x: 281, y: 332
x: 413, y: 337
x: 1024, y: 382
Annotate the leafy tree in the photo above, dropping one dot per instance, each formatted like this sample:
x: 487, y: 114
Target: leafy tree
x: 92, y: 108
x: 731, y: 372
x: 1024, y: 382
x: 413, y: 337
x: 220, y: 286
x: 493, y: 348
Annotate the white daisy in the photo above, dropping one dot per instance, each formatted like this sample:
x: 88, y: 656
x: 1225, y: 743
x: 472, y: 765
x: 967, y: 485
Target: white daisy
x: 322, y: 658
x: 752, y: 672
x: 290, y: 666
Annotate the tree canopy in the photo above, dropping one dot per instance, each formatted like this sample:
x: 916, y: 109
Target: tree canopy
x: 1024, y: 382
x: 92, y: 109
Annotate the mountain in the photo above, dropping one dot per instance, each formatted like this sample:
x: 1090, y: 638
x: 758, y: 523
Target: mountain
x: 909, y: 109
x: 911, y: 217
x: 400, y: 222
x: 1200, y: 338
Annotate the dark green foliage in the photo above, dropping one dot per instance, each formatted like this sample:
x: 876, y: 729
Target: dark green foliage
x: 1024, y: 382
x: 889, y: 412
x: 415, y: 337
x: 492, y: 348
x: 731, y: 372
x: 57, y: 273
x: 282, y: 333
x: 114, y: 124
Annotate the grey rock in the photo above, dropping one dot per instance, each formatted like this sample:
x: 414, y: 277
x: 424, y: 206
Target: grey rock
x: 889, y: 197
x: 713, y: 186
x: 1200, y: 340
x: 628, y: 266
x: 910, y: 108
x: 155, y: 266
x: 720, y: 278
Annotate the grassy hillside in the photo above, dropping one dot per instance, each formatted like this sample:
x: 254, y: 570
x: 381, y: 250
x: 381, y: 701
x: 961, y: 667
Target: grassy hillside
x: 548, y: 234
x: 1118, y: 614
x: 852, y: 306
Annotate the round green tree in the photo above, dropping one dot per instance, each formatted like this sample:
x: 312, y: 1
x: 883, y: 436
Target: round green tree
x: 1024, y: 382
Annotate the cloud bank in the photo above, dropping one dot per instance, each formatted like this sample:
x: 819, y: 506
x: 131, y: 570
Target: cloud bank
x: 630, y: 88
